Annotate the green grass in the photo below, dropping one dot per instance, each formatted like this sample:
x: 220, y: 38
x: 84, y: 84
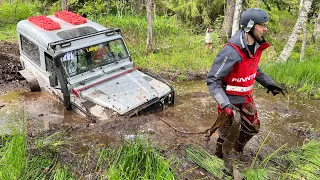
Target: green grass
x: 11, y: 14
x: 138, y: 160
x: 304, y: 162
x: 17, y: 163
x: 283, y: 164
x: 299, y: 76
x: 256, y: 174
x: 27, y: 158
x: 205, y: 160
x: 13, y: 157
x: 24, y: 159
x: 8, y: 33
x: 176, y: 48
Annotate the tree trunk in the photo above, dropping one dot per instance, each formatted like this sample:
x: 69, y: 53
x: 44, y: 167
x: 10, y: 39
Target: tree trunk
x: 227, y: 21
x: 138, y: 4
x: 236, y: 17
x: 316, y: 28
x: 303, y: 16
x: 303, y: 46
x: 64, y: 4
x: 266, y: 3
x: 118, y: 9
x: 149, y: 21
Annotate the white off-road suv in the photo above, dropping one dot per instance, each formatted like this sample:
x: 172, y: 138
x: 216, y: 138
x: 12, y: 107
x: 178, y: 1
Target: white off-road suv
x: 87, y: 66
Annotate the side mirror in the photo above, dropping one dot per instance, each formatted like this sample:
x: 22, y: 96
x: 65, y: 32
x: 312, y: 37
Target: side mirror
x: 53, y: 80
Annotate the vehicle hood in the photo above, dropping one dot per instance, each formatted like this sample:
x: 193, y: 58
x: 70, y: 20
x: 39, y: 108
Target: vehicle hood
x: 125, y: 92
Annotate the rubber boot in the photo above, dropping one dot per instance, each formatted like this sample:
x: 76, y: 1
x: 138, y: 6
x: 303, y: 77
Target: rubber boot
x: 218, y: 152
x: 239, y: 147
x: 242, y: 141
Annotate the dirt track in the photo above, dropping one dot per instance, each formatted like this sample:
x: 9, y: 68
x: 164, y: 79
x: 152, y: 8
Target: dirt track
x: 10, y: 79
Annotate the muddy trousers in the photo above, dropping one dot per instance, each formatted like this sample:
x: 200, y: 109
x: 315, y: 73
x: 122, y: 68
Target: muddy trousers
x: 249, y: 126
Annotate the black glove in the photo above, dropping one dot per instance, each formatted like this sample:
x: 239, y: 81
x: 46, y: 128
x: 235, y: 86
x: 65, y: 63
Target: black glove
x: 275, y: 89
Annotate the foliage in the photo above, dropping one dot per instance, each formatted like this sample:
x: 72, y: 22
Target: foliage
x: 199, y: 13
x: 19, y: 161
x: 279, y: 29
x: 53, y: 141
x: 95, y: 8
x: 256, y: 174
x: 138, y: 160
x: 284, y: 163
x: 301, y: 163
x: 177, y: 48
x: 288, y: 5
x: 13, y: 11
x: 205, y: 160
x: 12, y: 159
x: 296, y: 75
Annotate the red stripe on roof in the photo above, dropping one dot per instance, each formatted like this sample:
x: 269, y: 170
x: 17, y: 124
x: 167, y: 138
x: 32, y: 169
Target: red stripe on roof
x: 44, y: 22
x: 70, y: 17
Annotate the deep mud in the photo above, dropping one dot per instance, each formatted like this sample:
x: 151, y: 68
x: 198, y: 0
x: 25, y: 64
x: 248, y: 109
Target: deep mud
x: 85, y: 136
x: 194, y: 111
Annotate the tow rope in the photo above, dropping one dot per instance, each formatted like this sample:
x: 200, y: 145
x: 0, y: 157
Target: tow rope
x: 184, y: 132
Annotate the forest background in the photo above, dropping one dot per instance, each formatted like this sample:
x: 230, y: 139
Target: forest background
x: 178, y: 51
x: 177, y: 46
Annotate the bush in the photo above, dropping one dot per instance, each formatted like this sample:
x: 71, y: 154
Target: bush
x: 12, y: 13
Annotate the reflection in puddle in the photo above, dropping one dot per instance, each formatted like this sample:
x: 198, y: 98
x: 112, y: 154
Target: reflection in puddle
x: 39, y: 109
x: 81, y: 143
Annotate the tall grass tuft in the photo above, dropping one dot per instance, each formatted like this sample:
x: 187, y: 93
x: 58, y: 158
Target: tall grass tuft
x: 304, y: 162
x: 13, y: 157
x: 256, y: 174
x: 300, y: 76
x: 205, y: 160
x: 13, y: 146
x: 289, y: 164
x: 62, y: 173
x: 18, y: 158
x: 138, y: 160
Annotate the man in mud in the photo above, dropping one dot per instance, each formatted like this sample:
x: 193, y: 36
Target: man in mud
x: 232, y: 77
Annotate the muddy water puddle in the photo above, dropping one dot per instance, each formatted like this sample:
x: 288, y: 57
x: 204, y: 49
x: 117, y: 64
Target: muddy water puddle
x: 288, y: 119
x: 39, y: 110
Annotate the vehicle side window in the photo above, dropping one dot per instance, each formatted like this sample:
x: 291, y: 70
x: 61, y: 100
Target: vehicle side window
x: 118, y: 49
x: 69, y: 61
x: 49, y: 64
x: 30, y: 49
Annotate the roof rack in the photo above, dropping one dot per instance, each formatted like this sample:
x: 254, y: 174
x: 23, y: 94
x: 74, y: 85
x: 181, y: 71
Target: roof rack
x: 67, y: 42
x: 70, y: 17
x: 44, y: 22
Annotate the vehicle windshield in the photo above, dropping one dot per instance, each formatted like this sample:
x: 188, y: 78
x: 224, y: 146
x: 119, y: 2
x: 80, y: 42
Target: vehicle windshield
x: 89, y: 58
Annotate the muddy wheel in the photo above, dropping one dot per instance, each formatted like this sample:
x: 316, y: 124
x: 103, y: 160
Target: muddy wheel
x: 34, y: 86
x: 31, y: 79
